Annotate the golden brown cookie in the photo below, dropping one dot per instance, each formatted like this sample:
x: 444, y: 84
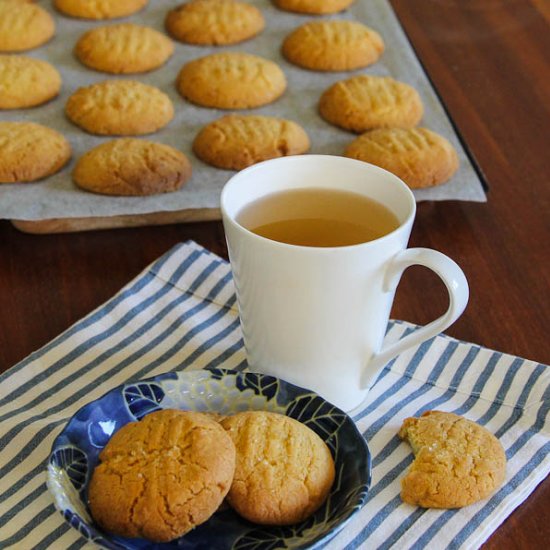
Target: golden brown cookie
x: 457, y: 462
x: 366, y: 102
x: 214, y: 22
x: 26, y: 82
x: 132, y: 167
x: 313, y: 7
x: 120, y: 108
x: 284, y: 470
x: 332, y: 45
x: 29, y: 152
x: 23, y: 26
x: 234, y: 142
x: 123, y: 49
x: 99, y: 9
x: 420, y: 157
x: 162, y: 476
x: 231, y: 80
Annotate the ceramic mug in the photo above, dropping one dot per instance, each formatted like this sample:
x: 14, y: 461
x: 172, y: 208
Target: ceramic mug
x: 314, y: 316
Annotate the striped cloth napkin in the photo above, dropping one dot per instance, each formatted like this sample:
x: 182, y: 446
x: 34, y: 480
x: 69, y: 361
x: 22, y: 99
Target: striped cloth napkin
x: 181, y: 313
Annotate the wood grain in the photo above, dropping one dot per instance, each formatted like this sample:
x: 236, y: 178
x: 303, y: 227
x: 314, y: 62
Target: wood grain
x: 489, y: 62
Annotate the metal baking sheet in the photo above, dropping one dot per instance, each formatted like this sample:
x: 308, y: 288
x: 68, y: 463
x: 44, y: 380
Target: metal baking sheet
x: 58, y: 197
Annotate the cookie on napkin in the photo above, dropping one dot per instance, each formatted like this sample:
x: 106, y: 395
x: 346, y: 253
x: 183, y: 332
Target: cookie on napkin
x: 26, y: 82
x: 457, y: 462
x: 231, y: 80
x: 234, y: 142
x: 333, y: 45
x: 23, y: 26
x: 284, y: 470
x: 120, y: 107
x: 161, y: 477
x: 30, y: 152
x: 214, y: 22
x: 365, y: 102
x: 123, y: 49
x: 420, y: 157
x: 132, y: 167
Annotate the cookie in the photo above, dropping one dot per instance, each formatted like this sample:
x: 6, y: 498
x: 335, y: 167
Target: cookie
x: 26, y: 82
x: 457, y: 462
x: 120, y: 107
x: 30, y: 152
x: 284, y: 470
x: 99, y: 9
x: 234, y: 142
x: 231, y: 80
x: 162, y: 476
x: 420, y: 157
x: 333, y: 46
x: 132, y: 167
x: 214, y: 22
x: 23, y: 26
x: 123, y: 49
x: 366, y: 102
x: 314, y: 7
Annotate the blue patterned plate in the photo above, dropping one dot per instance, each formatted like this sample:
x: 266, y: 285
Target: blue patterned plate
x: 75, y: 454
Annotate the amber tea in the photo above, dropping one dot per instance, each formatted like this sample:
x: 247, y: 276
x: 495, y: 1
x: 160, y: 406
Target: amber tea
x: 318, y: 217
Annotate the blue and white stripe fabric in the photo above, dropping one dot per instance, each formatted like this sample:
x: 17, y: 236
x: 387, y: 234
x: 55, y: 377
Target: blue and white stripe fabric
x: 181, y: 313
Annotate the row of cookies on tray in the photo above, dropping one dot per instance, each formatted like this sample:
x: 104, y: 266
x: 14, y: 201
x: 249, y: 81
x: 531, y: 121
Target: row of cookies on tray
x: 131, y: 108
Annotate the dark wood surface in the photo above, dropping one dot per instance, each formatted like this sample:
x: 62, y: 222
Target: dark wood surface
x: 489, y: 61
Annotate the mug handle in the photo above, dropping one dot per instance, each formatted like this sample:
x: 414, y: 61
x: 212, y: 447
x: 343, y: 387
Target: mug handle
x: 457, y: 287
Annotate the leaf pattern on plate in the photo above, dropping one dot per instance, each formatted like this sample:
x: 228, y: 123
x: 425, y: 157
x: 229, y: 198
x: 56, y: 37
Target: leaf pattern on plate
x: 74, y: 462
x: 263, y: 385
x: 143, y: 398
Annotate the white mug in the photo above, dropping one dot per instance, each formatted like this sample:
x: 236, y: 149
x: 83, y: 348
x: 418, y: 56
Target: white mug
x: 316, y: 317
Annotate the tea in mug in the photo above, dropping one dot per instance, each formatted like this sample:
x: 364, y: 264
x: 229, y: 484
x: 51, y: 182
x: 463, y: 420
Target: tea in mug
x: 318, y: 217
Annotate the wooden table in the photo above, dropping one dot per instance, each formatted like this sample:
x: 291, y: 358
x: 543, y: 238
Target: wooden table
x: 489, y: 61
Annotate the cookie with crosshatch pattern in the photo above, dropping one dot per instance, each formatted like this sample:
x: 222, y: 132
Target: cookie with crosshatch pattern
x: 162, y: 476
x: 365, y: 102
x: 284, y: 471
x: 231, y: 80
x: 99, y: 9
x: 234, y: 142
x: 457, y: 461
x: 26, y: 81
x: 333, y: 45
x: 120, y: 108
x: 30, y: 152
x: 214, y: 22
x: 23, y: 26
x: 314, y: 7
x: 123, y: 48
x: 420, y: 157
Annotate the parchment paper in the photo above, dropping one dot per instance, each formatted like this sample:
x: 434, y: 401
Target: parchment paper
x: 58, y: 197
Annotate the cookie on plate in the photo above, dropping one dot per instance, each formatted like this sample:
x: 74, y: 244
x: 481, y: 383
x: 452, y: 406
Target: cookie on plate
x: 231, y: 80
x: 23, y: 26
x: 366, y: 102
x: 333, y: 45
x: 26, y: 82
x: 132, y: 167
x: 162, y: 476
x: 120, y: 108
x: 30, y: 152
x: 123, y: 49
x: 99, y: 9
x: 284, y: 470
x: 234, y: 142
x: 457, y: 462
x: 420, y: 157
x: 314, y: 7
x: 214, y: 22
